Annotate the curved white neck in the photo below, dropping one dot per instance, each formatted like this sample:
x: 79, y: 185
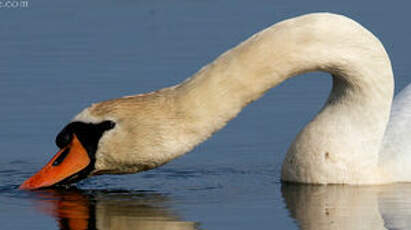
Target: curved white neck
x: 341, y: 144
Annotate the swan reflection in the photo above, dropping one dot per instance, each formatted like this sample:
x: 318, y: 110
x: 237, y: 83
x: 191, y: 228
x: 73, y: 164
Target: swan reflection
x: 349, y: 207
x: 75, y: 209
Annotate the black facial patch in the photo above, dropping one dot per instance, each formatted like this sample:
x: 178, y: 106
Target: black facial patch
x: 89, y: 135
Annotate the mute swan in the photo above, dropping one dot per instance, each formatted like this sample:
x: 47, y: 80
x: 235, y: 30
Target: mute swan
x: 343, y: 144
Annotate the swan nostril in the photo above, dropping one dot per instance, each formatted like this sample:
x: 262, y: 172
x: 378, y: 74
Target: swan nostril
x: 327, y: 155
x: 61, y: 157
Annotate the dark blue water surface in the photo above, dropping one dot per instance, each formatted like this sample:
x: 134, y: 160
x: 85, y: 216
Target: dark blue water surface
x: 57, y: 57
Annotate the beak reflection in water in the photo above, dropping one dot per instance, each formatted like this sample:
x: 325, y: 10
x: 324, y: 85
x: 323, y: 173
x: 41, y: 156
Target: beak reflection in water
x: 75, y: 209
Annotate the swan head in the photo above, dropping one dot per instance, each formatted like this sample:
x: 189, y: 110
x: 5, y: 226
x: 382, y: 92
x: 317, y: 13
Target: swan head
x: 119, y: 136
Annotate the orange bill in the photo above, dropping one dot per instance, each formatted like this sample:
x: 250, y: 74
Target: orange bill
x: 67, y: 162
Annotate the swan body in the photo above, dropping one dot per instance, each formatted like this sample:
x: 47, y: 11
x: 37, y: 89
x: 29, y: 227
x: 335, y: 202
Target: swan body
x: 395, y: 154
x: 341, y: 145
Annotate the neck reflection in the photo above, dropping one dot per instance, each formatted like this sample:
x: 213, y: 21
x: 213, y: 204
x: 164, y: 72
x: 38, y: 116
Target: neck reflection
x: 96, y: 209
x: 349, y: 207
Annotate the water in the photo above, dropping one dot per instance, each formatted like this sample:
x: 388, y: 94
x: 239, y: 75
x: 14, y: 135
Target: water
x: 58, y: 57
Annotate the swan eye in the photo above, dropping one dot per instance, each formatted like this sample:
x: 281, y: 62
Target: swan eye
x: 106, y: 125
